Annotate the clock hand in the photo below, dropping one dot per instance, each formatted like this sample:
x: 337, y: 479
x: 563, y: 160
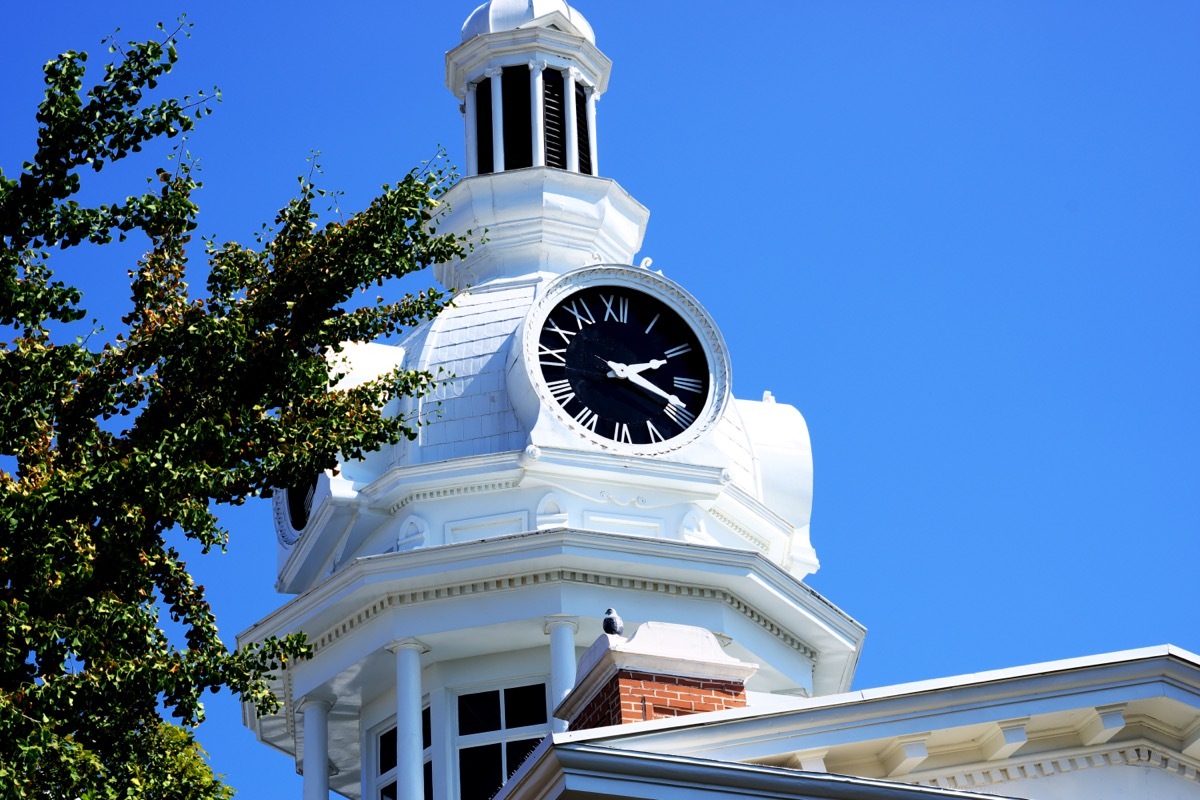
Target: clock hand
x: 616, y: 368
x: 623, y: 371
x: 631, y: 369
x: 652, y: 364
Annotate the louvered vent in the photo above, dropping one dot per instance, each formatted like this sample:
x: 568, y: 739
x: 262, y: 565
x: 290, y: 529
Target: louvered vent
x: 556, y: 123
x: 581, y: 126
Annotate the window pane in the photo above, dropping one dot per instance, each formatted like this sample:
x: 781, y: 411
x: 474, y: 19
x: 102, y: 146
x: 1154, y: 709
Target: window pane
x: 480, y: 773
x: 483, y: 126
x: 518, y: 133
x: 426, y: 734
x: 387, y: 751
x: 478, y: 712
x: 388, y: 792
x: 516, y: 753
x: 525, y: 705
x: 428, y: 780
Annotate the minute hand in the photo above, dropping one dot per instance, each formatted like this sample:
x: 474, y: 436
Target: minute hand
x: 623, y: 371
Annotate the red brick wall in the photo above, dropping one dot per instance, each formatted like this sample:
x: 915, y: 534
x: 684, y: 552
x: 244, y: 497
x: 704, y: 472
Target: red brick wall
x: 637, y: 696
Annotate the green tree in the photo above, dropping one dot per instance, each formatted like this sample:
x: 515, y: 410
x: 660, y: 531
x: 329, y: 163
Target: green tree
x: 123, y: 446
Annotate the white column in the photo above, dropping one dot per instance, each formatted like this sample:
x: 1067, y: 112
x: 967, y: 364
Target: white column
x: 537, y: 97
x: 593, y: 97
x: 561, y: 629
x: 572, y: 128
x: 472, y: 131
x: 409, y: 764
x: 316, y: 748
x: 497, y: 74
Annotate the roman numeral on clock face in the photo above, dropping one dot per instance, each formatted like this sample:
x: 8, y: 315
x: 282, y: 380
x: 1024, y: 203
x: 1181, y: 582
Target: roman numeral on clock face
x: 678, y: 351
x: 621, y: 433
x: 680, y: 415
x: 615, y: 308
x: 552, y: 327
x: 582, y: 314
x: 587, y: 418
x: 561, y: 391
x: 655, y: 436
x: 551, y: 358
x: 688, y: 385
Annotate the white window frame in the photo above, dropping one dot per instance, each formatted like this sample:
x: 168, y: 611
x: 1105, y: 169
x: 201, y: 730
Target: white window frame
x: 375, y: 782
x: 502, y: 735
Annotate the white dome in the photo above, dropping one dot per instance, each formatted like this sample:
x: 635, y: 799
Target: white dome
x: 506, y: 15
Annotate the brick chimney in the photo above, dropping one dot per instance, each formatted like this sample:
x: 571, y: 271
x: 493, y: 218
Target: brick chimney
x: 663, y: 670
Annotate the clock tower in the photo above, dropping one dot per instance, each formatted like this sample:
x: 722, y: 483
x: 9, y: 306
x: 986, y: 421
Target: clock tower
x: 582, y: 451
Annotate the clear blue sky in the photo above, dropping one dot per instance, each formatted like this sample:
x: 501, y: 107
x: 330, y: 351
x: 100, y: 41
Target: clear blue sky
x: 963, y: 238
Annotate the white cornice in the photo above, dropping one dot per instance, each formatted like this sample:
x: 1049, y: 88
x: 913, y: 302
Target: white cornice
x: 396, y: 488
x: 746, y: 582
x: 977, y: 777
x: 538, y: 219
x: 381, y: 604
x: 555, y: 768
x: 1098, y: 682
x: 469, y: 60
x: 549, y: 462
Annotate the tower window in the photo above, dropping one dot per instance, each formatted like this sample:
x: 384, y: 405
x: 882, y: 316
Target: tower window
x: 518, y: 133
x: 556, y: 122
x: 583, y: 137
x: 483, y: 127
x: 385, y: 760
x: 497, y: 730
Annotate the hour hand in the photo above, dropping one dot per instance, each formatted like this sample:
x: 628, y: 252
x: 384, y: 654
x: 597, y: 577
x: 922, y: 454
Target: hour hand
x: 619, y: 370
x: 654, y: 363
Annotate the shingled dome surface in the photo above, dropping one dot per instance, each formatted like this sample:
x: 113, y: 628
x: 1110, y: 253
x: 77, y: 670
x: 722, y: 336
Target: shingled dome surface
x: 506, y: 15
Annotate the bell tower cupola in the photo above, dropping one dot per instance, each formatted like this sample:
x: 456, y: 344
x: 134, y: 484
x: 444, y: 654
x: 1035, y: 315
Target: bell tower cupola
x: 528, y: 76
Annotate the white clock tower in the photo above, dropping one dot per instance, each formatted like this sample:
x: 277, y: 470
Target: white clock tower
x: 582, y: 452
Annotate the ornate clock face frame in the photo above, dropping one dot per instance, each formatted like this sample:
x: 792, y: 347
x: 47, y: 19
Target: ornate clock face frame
x: 626, y: 359
x: 293, y: 509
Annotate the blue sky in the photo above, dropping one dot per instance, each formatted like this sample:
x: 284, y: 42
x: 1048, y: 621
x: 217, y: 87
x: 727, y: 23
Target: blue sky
x: 963, y: 238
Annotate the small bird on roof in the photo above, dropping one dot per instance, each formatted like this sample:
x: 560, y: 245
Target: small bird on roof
x: 613, y: 624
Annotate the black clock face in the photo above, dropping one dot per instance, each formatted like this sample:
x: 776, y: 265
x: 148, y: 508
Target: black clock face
x: 299, y: 503
x: 624, y: 365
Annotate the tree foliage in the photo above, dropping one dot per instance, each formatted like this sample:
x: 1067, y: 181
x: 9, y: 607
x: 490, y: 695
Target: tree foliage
x: 122, y: 446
